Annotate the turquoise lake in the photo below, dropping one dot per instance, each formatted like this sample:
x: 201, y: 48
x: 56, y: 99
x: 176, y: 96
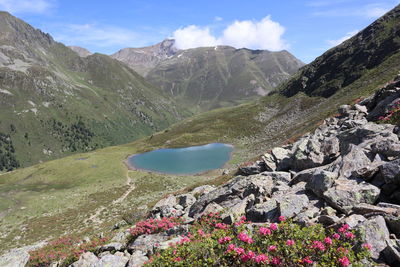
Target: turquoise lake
x: 188, y: 160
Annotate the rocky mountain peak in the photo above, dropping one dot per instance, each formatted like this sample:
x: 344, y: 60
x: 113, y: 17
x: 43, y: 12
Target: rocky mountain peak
x: 18, y: 33
x: 82, y: 52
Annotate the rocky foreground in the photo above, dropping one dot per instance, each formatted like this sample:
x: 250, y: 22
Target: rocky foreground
x: 346, y: 172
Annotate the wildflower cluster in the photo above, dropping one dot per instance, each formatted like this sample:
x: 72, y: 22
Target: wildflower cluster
x: 152, y: 226
x: 66, y: 249
x: 393, y: 117
x: 212, y: 242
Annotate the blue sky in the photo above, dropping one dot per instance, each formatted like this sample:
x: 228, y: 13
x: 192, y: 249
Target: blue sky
x: 305, y: 28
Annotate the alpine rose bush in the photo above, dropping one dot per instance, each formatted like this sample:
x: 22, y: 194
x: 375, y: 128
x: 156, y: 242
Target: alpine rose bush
x: 213, y: 243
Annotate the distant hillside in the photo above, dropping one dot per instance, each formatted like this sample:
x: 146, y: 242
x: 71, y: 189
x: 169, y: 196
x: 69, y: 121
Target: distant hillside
x: 54, y: 102
x: 211, y: 77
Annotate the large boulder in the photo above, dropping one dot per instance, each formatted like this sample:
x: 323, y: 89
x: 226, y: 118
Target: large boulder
x: 346, y: 194
x: 374, y: 232
x: 147, y: 243
x: 14, y: 258
x: 390, y: 172
x: 87, y: 259
x: 290, y: 205
x: 230, y: 193
x: 282, y: 158
x: 263, y: 212
x: 386, y: 147
x: 137, y: 259
x: 113, y: 260
x: 321, y: 181
x: 353, y: 161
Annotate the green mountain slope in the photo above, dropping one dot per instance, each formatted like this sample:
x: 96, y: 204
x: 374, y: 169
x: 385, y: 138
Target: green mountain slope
x: 89, y: 192
x: 53, y: 102
x: 206, y: 78
x: 210, y: 77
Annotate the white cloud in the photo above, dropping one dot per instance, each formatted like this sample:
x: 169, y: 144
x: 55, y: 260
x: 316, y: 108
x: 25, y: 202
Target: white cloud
x: 336, y: 42
x: 218, y: 18
x: 263, y: 34
x: 26, y: 6
x: 96, y: 35
x: 194, y: 36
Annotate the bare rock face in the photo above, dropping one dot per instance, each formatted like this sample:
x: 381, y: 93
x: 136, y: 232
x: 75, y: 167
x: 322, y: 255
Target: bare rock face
x: 82, y: 52
x: 143, y: 59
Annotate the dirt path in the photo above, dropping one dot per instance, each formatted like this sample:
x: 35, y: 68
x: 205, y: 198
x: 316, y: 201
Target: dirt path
x: 95, y: 218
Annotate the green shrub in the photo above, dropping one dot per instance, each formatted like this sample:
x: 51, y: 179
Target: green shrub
x: 212, y: 243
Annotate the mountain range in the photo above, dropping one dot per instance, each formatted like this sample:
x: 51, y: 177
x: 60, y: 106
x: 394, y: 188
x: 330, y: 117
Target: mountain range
x: 210, y: 77
x: 89, y: 192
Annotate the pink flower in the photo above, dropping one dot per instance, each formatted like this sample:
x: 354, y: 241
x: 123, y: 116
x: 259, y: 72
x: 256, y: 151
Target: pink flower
x: 349, y: 235
x: 336, y: 236
x: 177, y: 259
x: 273, y: 227
x: 344, y: 262
x: 282, y: 218
x: 262, y: 258
x: 318, y: 245
x: 200, y: 232
x: 264, y: 231
x: 245, y: 238
x: 239, y: 251
x: 276, y: 261
x: 328, y: 241
x: 367, y: 246
x: 307, y: 260
x: 290, y: 242
x: 272, y: 248
x: 221, y: 226
x: 344, y: 228
x: 225, y: 239
x: 246, y: 257
x: 231, y: 247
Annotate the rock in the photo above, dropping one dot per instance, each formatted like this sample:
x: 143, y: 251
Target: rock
x: 328, y: 211
x: 186, y: 200
x: 87, y: 259
x: 14, y: 258
x: 374, y: 232
x: 178, y: 230
x: 210, y: 208
x: 115, y: 246
x: 364, y: 208
x: 240, y: 208
x: 390, y: 172
x: 263, y: 212
x: 352, y: 220
x: 169, y: 201
x: 147, y: 243
x: 202, y: 190
x: 344, y: 110
x: 110, y: 260
x: 353, y: 161
x: 232, y: 192
x: 388, y: 148
x: 328, y: 219
x: 292, y: 204
x: 169, y: 243
x: 362, y: 109
x: 321, y: 181
x: 393, y: 223
x: 392, y: 252
x: 282, y: 158
x: 269, y: 162
x: 137, y: 259
x: 256, y: 168
x: 345, y: 194
x: 278, y: 176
